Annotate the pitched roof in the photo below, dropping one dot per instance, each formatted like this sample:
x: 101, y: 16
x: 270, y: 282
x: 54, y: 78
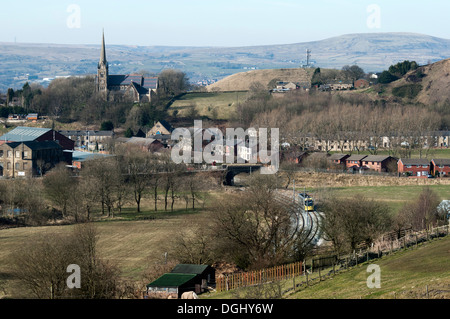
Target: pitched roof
x: 145, y: 83
x: 441, y: 161
x: 337, y: 156
x: 376, y: 158
x: 144, y: 141
x: 150, y: 83
x: 86, y: 133
x: 79, y: 156
x: 189, y: 269
x: 415, y: 161
x: 356, y: 157
x: 172, y: 280
x: 166, y: 125
x: 23, y: 134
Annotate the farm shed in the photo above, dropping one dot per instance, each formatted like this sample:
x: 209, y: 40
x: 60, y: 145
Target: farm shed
x: 171, y: 285
x: 205, y: 273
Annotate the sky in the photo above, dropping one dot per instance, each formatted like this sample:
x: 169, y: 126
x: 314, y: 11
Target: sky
x: 226, y: 23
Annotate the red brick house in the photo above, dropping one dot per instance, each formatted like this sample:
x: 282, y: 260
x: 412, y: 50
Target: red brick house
x: 338, y: 158
x: 380, y: 163
x: 414, y: 167
x: 440, y: 167
x: 361, y: 83
x: 354, y: 161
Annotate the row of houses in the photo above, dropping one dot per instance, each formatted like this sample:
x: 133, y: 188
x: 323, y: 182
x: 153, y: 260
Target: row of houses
x: 431, y: 139
x: 404, y: 166
x: 29, y: 151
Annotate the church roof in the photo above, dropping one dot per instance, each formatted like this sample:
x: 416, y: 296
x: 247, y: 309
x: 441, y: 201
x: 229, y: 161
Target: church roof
x: 147, y: 83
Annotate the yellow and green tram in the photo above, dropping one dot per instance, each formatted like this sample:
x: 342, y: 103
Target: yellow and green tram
x: 307, y: 201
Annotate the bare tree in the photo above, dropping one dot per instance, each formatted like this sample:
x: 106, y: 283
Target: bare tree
x: 42, y: 265
x: 255, y: 228
x: 59, y: 185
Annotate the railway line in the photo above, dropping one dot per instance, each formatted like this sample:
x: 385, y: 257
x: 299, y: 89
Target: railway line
x: 306, y: 222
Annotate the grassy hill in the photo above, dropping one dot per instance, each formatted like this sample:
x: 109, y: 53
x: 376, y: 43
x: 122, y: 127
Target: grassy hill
x: 242, y: 81
x: 404, y: 275
x: 430, y: 84
x: 215, y: 105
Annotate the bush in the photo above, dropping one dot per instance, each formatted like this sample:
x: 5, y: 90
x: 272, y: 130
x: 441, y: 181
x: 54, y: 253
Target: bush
x: 107, y: 126
x: 386, y: 77
x: 408, y: 91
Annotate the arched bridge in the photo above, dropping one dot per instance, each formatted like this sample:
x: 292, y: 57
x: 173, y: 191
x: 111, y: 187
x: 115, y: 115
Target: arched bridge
x: 231, y: 170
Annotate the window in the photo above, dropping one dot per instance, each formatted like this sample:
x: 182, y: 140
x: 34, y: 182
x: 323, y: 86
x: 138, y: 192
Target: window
x: 8, y: 165
x: 17, y: 154
x: 1, y: 153
x: 17, y: 166
x: 25, y: 154
x: 25, y: 166
x: 9, y: 153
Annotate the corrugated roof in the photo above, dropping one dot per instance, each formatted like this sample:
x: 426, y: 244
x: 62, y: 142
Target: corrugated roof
x: 189, y: 269
x: 24, y: 134
x: 172, y: 280
x: 79, y: 156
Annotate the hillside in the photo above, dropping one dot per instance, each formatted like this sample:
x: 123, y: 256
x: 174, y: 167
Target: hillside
x: 371, y: 51
x: 404, y: 275
x: 434, y: 83
x: 242, y: 81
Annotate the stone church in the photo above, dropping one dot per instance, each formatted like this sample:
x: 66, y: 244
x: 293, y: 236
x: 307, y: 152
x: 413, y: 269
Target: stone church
x: 133, y: 87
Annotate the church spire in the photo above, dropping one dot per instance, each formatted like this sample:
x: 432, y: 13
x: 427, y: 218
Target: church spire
x: 103, y: 52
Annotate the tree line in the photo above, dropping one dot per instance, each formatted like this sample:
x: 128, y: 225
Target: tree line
x: 104, y: 186
x: 75, y: 99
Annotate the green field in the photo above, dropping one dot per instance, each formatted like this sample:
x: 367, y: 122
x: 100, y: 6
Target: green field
x: 224, y: 103
x: 136, y: 242
x: 405, y: 274
x: 394, y: 196
x: 133, y: 241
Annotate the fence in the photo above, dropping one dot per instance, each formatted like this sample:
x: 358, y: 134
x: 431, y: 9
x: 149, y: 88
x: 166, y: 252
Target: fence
x: 320, y: 268
x: 251, y: 278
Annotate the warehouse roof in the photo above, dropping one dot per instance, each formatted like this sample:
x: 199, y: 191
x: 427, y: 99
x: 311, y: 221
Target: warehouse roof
x: 24, y: 134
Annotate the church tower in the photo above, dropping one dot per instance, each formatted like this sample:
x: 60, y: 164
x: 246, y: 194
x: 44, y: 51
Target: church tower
x: 102, y: 70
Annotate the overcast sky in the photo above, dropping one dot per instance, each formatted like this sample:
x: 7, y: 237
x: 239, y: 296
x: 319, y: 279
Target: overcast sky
x: 214, y: 22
